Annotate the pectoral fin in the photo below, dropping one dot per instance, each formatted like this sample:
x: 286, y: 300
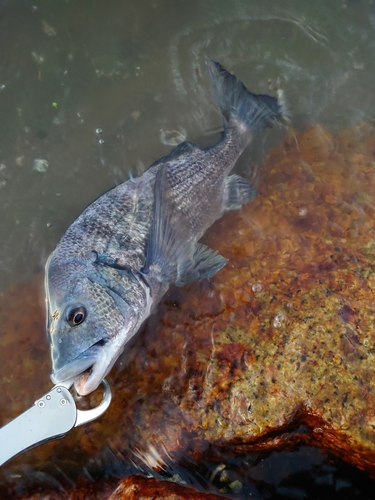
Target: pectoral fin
x: 172, y: 254
x: 171, y: 244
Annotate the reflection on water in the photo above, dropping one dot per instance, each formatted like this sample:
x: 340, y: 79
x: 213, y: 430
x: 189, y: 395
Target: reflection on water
x: 92, y: 92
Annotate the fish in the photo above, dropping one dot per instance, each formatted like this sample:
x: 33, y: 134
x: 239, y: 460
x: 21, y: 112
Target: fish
x: 114, y: 263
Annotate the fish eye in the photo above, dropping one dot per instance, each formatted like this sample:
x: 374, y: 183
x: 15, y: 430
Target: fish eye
x: 76, y: 316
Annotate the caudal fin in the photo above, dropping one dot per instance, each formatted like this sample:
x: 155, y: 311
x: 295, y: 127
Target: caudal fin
x: 239, y: 105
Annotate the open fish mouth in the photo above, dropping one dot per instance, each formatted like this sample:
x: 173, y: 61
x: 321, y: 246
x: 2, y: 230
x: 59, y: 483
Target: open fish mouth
x: 86, y: 371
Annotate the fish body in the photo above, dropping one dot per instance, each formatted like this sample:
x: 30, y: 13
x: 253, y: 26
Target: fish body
x: 117, y: 259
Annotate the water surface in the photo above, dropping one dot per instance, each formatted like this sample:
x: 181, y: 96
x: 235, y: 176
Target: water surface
x: 135, y: 71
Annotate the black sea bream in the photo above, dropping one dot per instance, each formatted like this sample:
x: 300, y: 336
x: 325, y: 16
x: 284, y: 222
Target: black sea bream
x: 115, y: 262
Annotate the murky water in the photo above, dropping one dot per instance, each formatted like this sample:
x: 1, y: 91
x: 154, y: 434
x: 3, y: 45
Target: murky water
x: 135, y: 70
x: 91, y: 92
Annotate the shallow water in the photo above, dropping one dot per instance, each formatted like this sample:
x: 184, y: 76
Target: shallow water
x: 91, y: 92
x: 136, y: 71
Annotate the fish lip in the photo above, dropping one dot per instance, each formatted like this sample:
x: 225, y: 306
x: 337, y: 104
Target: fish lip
x: 77, y: 366
x: 107, y: 354
x: 89, y: 368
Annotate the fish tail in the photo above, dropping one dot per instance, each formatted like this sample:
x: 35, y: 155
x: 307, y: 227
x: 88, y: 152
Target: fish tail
x: 239, y: 106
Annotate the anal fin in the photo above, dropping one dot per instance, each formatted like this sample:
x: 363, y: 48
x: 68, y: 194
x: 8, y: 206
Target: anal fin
x: 238, y: 191
x: 204, y: 264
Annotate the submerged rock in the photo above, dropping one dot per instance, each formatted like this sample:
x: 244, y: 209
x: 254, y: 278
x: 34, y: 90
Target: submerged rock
x: 284, y: 334
x: 275, y: 351
x: 136, y: 487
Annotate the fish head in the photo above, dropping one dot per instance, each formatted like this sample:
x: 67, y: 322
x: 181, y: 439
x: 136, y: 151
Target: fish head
x: 92, y: 311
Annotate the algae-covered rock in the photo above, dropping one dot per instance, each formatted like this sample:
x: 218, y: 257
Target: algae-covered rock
x: 276, y: 350
x: 284, y: 334
x: 136, y: 487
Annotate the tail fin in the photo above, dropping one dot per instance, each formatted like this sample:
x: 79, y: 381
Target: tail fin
x: 236, y: 102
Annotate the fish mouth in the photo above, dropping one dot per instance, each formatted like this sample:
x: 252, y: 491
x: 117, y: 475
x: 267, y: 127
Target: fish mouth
x: 86, y: 371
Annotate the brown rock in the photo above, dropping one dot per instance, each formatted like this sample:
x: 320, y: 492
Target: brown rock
x: 293, y: 340
x: 136, y: 487
x: 282, y: 336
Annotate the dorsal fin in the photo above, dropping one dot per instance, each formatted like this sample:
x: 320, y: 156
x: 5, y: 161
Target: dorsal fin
x: 179, y: 150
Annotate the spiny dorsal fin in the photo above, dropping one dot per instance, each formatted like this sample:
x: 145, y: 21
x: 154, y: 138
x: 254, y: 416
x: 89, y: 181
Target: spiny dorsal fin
x: 179, y: 150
